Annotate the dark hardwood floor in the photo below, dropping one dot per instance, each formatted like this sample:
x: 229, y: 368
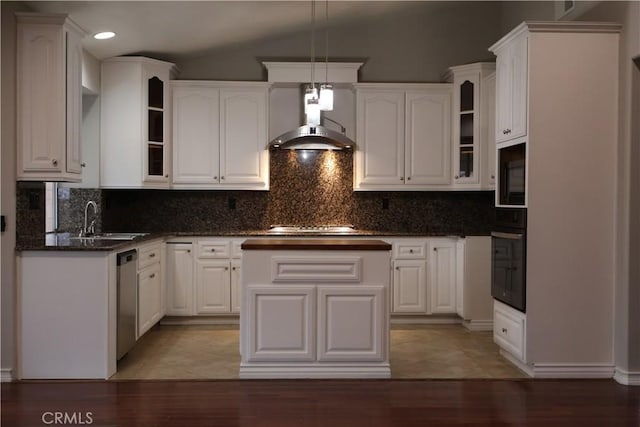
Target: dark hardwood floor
x: 335, y: 403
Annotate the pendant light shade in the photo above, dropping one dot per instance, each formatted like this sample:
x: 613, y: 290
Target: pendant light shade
x: 326, y: 97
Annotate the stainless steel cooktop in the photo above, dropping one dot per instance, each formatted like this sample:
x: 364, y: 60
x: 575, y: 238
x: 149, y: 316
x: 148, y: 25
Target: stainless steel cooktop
x: 311, y: 229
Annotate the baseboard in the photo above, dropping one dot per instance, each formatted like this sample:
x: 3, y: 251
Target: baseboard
x: 382, y: 371
x: 567, y: 370
x: 518, y: 363
x: 423, y: 320
x: 197, y: 320
x: 627, y: 378
x: 478, y: 325
x: 6, y: 375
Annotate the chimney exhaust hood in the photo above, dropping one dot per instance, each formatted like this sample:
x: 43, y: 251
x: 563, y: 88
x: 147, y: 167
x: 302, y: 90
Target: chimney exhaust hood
x: 308, y: 137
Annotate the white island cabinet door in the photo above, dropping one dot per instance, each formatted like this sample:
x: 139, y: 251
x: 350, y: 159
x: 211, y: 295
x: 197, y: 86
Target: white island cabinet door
x: 196, y: 135
x: 351, y: 323
x: 282, y: 323
x: 243, y: 136
x: 149, y: 298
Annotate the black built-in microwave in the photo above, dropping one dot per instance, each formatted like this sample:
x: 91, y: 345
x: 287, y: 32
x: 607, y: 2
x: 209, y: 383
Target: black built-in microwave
x: 512, y: 175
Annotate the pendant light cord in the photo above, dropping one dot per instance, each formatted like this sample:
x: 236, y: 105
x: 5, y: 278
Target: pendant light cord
x: 313, y: 42
x: 326, y: 43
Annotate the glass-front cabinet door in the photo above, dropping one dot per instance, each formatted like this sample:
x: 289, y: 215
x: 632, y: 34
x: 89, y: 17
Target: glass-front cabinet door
x: 156, y: 167
x: 466, y: 152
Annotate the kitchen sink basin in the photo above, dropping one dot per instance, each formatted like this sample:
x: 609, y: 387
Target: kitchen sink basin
x: 110, y: 236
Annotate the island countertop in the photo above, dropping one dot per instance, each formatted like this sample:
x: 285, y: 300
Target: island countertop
x: 316, y: 244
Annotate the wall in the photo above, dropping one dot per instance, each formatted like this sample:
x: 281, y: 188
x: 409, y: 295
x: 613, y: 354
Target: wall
x: 414, y: 44
x: 311, y: 191
x: 627, y: 290
x: 7, y: 182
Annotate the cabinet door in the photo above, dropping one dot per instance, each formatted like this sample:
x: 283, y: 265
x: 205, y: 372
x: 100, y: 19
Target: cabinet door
x: 511, y: 90
x: 74, y: 102
x: 213, y: 287
x: 155, y: 127
x: 196, y: 135
x: 281, y: 322
x: 235, y: 285
x: 179, y: 279
x: 466, y: 128
x: 428, y: 139
x: 149, y: 298
x: 363, y: 309
x: 380, y: 130
x: 442, y: 275
x: 409, y: 286
x: 243, y: 136
x: 41, y: 98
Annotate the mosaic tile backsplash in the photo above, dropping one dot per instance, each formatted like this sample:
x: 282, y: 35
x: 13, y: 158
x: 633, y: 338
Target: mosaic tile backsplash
x: 305, y: 189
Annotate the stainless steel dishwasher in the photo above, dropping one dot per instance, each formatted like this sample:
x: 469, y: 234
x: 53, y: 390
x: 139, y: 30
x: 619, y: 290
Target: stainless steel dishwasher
x: 127, y: 301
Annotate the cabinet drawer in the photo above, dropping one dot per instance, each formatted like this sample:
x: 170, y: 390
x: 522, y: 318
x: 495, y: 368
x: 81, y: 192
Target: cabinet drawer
x: 213, y: 249
x: 148, y: 255
x: 410, y: 250
x: 508, y: 329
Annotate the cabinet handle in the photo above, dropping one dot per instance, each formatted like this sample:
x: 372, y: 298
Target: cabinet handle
x: 54, y: 162
x: 83, y: 165
x: 504, y: 330
x: 152, y: 275
x: 152, y: 255
x: 402, y: 178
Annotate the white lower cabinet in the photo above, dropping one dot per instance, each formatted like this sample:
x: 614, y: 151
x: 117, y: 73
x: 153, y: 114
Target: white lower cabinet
x: 203, y: 277
x: 213, y: 287
x: 179, y: 279
x: 409, y: 286
x: 509, y: 329
x: 151, y: 307
x: 149, y: 298
x: 442, y: 275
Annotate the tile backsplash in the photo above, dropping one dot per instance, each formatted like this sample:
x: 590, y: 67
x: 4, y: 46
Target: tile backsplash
x: 306, y: 188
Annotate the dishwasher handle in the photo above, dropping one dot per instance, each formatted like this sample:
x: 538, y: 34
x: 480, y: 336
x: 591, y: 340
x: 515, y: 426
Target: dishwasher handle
x: 127, y: 257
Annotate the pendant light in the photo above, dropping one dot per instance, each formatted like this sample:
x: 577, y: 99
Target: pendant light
x: 326, y: 89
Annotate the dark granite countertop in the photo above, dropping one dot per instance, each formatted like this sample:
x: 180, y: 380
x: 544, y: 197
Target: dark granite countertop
x: 66, y: 242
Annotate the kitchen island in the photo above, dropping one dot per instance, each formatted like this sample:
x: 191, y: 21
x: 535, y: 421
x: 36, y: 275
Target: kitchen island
x: 315, y: 308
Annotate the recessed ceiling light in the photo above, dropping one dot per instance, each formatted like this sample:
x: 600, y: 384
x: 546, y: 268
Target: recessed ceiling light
x: 104, y: 35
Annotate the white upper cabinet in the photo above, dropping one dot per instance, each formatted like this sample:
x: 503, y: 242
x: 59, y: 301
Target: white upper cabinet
x: 134, y: 131
x: 473, y: 145
x: 220, y: 135
x: 403, y: 136
x: 511, y: 89
x: 49, y: 90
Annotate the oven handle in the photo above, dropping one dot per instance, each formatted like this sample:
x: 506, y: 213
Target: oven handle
x: 512, y: 236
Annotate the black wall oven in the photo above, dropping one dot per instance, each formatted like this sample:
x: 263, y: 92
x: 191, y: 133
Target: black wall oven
x: 508, y: 245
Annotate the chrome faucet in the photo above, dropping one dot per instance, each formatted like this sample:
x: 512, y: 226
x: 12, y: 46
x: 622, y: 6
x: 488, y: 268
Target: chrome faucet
x: 91, y: 229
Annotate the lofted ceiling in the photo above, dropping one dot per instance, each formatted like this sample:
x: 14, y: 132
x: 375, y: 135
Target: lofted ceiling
x: 179, y: 30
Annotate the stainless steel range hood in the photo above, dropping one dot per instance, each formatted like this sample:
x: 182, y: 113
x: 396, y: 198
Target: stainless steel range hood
x: 308, y: 137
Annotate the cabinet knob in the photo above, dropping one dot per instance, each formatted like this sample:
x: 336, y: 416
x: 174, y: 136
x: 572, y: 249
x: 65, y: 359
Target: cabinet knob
x: 456, y: 177
x: 410, y: 251
x: 226, y: 268
x: 402, y: 178
x: 504, y: 330
x: 435, y: 249
x: 83, y: 165
x: 188, y: 251
x: 213, y: 249
x: 397, y: 268
x: 215, y: 177
x: 153, y: 255
x: 408, y: 178
x: 152, y: 275
x: 493, y: 177
x: 54, y: 162
x: 233, y: 268
x: 222, y: 177
x: 166, y: 176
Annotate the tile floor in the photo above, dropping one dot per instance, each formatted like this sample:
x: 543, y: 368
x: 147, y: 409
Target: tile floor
x: 417, y: 351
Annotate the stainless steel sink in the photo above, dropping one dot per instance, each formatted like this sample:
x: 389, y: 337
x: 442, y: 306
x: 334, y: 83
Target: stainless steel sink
x: 109, y: 236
